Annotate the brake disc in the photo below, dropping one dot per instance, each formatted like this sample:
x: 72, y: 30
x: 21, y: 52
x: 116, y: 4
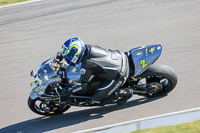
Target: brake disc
x: 158, y: 87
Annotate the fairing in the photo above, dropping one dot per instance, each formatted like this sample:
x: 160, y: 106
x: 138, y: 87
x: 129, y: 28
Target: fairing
x: 74, y: 72
x: 45, y: 75
x: 45, y: 72
x: 144, y: 56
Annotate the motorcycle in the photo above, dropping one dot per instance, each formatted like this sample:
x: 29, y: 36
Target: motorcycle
x: 146, y: 78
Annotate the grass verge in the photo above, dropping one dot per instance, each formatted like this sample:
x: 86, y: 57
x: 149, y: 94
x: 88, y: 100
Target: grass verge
x: 190, y: 127
x: 7, y: 2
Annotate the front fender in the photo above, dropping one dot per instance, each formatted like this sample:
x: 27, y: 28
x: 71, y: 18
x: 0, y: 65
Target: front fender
x: 33, y: 95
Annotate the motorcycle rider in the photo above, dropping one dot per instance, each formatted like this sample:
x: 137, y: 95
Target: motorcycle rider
x: 102, y: 70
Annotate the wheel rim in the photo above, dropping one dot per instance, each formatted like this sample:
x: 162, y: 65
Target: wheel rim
x: 42, y: 107
x: 162, y: 83
x: 156, y: 85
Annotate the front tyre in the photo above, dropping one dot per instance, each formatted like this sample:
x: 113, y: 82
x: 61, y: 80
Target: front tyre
x: 160, y: 76
x: 42, y: 108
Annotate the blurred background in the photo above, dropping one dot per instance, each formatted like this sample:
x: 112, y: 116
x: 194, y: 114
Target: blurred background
x: 34, y: 32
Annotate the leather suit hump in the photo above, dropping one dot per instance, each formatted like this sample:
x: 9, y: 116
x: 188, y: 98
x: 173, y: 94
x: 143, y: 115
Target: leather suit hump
x: 104, y: 63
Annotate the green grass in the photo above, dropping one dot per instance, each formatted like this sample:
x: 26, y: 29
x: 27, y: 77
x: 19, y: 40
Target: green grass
x: 190, y: 127
x: 6, y: 2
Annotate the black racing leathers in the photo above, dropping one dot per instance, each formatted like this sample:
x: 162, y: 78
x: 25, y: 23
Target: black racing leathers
x: 102, y: 72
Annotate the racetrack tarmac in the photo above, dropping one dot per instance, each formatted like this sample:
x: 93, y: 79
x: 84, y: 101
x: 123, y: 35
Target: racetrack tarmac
x: 32, y: 33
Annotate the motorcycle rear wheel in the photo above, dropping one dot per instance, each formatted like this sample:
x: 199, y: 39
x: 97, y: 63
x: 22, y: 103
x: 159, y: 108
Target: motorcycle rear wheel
x: 161, y: 76
x: 38, y: 106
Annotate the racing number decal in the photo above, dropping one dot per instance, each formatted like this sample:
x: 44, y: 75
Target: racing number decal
x: 143, y: 63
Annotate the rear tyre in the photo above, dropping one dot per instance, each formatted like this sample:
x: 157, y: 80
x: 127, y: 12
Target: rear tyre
x: 40, y: 107
x: 161, y: 76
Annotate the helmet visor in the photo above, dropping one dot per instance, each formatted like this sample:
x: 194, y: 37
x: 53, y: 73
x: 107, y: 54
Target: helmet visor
x: 71, y: 54
x: 70, y: 57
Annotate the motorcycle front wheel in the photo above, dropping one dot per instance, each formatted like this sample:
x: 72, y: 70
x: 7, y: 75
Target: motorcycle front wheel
x: 41, y: 107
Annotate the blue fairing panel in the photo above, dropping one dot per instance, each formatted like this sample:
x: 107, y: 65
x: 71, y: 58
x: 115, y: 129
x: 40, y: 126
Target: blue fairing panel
x: 144, y: 56
x: 74, y: 72
x: 33, y: 95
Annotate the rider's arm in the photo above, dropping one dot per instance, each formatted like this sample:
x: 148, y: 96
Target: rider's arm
x: 85, y: 78
x: 59, y: 57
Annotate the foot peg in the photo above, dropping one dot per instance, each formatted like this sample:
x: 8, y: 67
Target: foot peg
x: 124, y: 92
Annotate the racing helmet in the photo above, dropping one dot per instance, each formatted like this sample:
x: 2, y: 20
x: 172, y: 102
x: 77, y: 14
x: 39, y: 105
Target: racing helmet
x: 73, y: 51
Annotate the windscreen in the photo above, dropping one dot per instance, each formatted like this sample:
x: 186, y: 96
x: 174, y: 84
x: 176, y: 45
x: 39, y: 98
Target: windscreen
x: 45, y: 72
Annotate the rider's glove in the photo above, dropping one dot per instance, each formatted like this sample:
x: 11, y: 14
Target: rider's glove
x: 63, y: 65
x: 56, y: 60
x: 54, y: 63
x: 58, y: 57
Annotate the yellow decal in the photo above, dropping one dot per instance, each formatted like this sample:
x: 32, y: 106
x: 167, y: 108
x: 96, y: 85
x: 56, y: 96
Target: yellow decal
x: 51, y: 112
x: 76, y: 44
x: 143, y: 47
x: 64, y: 49
x: 143, y: 63
x: 38, y: 89
x: 146, y: 52
x: 74, y: 70
x: 33, y: 80
x: 36, y: 82
x: 152, y: 50
x: 52, y: 99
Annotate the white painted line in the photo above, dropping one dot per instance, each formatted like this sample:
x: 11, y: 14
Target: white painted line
x: 138, y: 120
x: 21, y: 3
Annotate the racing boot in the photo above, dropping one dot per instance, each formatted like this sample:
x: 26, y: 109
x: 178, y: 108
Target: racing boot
x: 125, y: 93
x: 65, y: 95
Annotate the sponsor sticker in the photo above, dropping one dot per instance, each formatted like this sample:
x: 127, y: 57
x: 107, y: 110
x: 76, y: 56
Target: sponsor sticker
x: 158, y: 48
x: 74, y: 60
x: 82, y: 71
x: 45, y: 71
x: 60, y: 72
x: 139, y: 53
x: 38, y: 89
x: 57, y: 79
x: 74, y: 70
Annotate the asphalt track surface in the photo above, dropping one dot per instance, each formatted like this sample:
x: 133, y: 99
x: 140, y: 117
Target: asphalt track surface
x: 31, y: 33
